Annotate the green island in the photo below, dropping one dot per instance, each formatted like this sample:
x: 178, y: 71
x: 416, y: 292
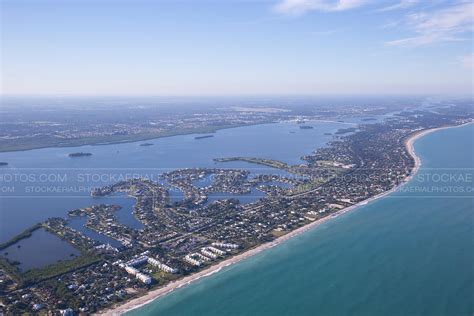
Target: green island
x: 260, y: 161
x: 204, y: 136
x: 79, y: 154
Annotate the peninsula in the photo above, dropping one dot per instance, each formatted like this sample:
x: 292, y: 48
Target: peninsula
x: 186, y: 240
x: 159, y: 292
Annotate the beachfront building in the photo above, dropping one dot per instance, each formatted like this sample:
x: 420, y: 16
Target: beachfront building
x: 208, y: 253
x: 225, y: 245
x: 216, y: 251
x: 192, y: 261
x: 161, y: 266
x: 140, y: 276
x: 131, y: 270
x: 196, y: 259
x: 200, y: 256
x: 143, y: 277
x: 137, y: 261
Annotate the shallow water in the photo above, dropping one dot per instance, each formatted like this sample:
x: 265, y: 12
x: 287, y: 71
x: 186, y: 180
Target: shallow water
x: 410, y: 253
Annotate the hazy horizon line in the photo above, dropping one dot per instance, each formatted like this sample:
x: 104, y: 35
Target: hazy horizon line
x: 419, y: 94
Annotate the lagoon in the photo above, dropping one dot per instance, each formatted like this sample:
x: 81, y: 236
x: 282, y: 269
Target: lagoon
x: 43, y: 246
x: 48, y: 183
x: 409, y: 253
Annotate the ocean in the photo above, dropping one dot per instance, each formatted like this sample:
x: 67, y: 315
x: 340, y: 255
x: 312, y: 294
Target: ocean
x: 409, y: 253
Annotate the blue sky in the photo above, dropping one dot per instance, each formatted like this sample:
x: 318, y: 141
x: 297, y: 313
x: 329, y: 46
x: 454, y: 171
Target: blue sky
x: 219, y: 47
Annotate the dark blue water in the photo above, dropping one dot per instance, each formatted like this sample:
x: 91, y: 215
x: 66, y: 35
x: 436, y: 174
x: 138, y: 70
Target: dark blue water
x: 124, y: 215
x: 78, y: 223
x: 44, y: 247
x: 411, y: 253
x: 44, y: 183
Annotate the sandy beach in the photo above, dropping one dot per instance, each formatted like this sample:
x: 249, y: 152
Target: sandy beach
x: 159, y: 292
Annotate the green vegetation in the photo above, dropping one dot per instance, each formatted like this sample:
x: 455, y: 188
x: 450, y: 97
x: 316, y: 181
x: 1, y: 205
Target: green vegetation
x: 266, y: 162
x: 24, y: 234
x: 278, y: 233
x: 62, y: 237
x: 51, y: 141
x: 162, y: 277
x: 10, y: 269
x: 310, y: 185
x: 49, y: 271
x: 54, y: 270
x: 35, y: 275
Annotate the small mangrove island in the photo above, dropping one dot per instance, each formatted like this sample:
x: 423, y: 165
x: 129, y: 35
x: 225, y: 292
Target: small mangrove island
x: 204, y: 136
x: 79, y: 154
x: 346, y: 130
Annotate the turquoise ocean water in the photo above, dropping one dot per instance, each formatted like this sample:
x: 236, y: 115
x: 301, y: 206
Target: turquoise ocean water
x: 410, y: 253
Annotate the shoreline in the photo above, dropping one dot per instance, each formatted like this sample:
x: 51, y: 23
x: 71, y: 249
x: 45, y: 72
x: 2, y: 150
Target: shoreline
x: 154, y: 294
x: 135, y: 140
x: 155, y: 137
